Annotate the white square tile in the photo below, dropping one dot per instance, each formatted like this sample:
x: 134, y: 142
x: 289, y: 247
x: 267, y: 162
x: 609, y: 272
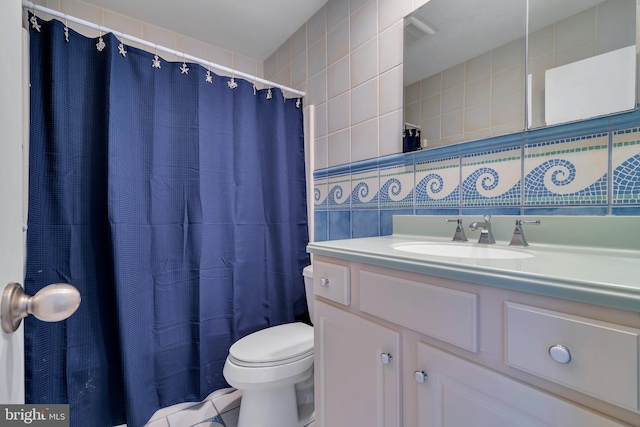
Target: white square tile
x: 193, y: 415
x: 191, y: 46
x: 245, y: 64
x: 339, y: 148
x: 364, y: 62
x: 507, y: 82
x: 299, y: 41
x: 317, y: 26
x: 390, y: 47
x: 320, y: 153
x: 317, y: 89
x: 364, y: 24
x: 390, y: 133
x: 506, y: 110
x: 452, y: 99
x: 320, y: 120
x: 432, y: 85
x: 390, y: 90
x: 123, y: 24
x: 477, y: 92
x: 541, y: 42
x: 392, y: 11
x: 452, y: 124
x: 271, y: 66
x: 453, y: 77
x: 338, y: 78
x: 317, y: 57
x: 338, y: 42
x: 221, y: 56
x: 412, y: 113
x: 364, y: 101
x: 284, y: 54
x: 83, y: 11
x: 413, y: 92
x: 337, y: 11
x: 364, y: 140
x: 299, y: 70
x: 430, y: 107
x: 478, y: 67
x: 576, y: 29
x: 338, y: 113
x: 507, y: 56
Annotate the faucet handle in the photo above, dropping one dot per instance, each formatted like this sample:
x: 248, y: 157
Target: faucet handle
x: 523, y: 222
x: 459, y: 236
x: 487, y: 218
x: 518, y: 238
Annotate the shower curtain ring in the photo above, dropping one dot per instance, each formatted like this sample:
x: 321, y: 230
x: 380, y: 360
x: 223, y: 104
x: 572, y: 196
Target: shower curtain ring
x: 66, y: 29
x: 269, y: 93
x: 121, y: 50
x: 101, y: 44
x: 209, y: 77
x: 34, y: 21
x: 184, y: 69
x: 232, y: 83
x: 156, y: 60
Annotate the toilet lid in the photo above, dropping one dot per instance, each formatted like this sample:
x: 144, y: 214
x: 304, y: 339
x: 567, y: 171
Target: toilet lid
x: 272, y: 346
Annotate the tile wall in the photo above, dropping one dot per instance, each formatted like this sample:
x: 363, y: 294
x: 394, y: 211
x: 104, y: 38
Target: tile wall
x: 585, y: 168
x: 353, y: 79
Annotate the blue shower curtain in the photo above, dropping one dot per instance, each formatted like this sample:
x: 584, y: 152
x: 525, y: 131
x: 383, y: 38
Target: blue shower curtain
x: 177, y: 207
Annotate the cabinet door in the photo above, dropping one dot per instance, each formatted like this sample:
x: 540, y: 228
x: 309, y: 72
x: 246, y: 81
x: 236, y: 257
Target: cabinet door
x: 460, y: 393
x: 357, y: 366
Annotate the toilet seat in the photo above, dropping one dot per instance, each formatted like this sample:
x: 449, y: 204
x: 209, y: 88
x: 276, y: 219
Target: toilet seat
x: 274, y: 346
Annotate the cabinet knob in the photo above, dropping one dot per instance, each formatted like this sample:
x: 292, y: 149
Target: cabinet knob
x: 324, y: 282
x: 420, y: 376
x: 560, y: 353
x: 386, y: 358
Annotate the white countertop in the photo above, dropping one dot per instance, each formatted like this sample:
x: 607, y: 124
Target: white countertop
x: 603, y: 276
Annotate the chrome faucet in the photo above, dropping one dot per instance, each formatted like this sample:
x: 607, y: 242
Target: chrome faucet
x: 518, y: 235
x: 459, y: 236
x: 486, y: 236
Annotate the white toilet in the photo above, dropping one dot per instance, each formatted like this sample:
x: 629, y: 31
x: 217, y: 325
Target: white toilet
x: 274, y: 369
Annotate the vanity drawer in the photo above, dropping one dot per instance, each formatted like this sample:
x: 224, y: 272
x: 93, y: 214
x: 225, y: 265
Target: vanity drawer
x: 446, y: 314
x: 332, y: 281
x: 600, y: 358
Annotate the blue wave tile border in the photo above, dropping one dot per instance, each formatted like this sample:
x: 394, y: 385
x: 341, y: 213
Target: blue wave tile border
x: 567, y: 171
x: 625, y: 161
x: 437, y: 183
x: 591, y: 167
x: 492, y: 178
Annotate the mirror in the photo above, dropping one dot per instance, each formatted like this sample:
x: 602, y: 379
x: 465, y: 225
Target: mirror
x: 471, y: 71
x: 464, y: 63
x: 581, y: 59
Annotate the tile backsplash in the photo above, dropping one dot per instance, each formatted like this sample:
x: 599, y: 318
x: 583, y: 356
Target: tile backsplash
x: 585, y: 168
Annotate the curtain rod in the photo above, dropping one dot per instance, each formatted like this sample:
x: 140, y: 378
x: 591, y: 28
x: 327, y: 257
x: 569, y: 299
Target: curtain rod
x: 30, y: 5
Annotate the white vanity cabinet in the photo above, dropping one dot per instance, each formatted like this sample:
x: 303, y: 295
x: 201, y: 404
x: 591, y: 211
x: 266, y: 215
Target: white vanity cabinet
x: 357, y: 370
x: 396, y: 348
x: 452, y: 392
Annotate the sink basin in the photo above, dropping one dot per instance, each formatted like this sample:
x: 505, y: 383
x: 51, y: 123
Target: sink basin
x: 460, y: 250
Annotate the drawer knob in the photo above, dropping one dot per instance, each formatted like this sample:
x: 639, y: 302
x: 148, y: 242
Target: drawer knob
x: 420, y: 376
x: 324, y: 282
x: 386, y: 358
x: 560, y: 353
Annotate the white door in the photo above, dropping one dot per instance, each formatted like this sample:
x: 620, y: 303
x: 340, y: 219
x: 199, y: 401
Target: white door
x: 11, y: 190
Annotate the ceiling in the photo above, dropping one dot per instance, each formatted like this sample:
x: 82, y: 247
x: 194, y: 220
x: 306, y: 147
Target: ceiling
x: 253, y: 28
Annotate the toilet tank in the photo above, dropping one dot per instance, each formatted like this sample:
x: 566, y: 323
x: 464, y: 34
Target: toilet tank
x: 307, y: 272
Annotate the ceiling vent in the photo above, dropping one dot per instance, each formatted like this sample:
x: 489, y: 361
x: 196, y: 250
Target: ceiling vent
x: 415, y: 30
